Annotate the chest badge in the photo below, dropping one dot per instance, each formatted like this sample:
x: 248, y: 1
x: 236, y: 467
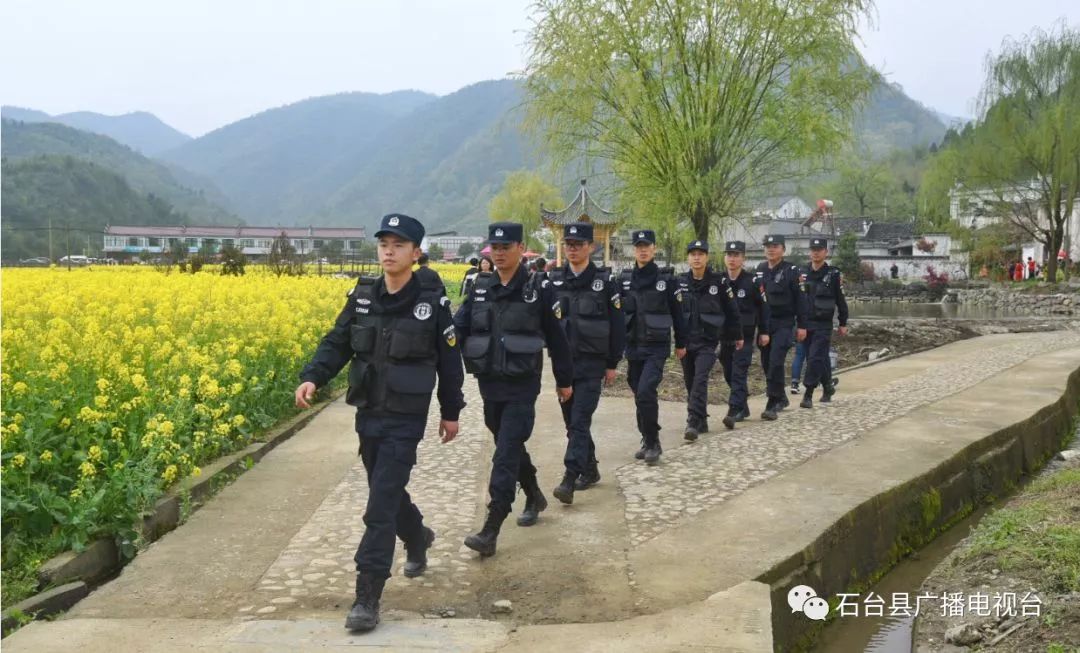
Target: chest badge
x: 661, y: 285
x: 598, y: 285
x: 713, y: 290
x: 530, y: 296
x: 742, y: 293
x: 556, y: 308
x: 422, y: 311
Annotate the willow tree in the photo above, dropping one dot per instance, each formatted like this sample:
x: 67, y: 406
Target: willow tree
x: 696, y: 104
x: 1023, y: 157
x: 519, y: 200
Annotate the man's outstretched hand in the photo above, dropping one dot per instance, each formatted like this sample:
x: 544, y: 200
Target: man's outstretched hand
x: 448, y: 430
x: 305, y: 392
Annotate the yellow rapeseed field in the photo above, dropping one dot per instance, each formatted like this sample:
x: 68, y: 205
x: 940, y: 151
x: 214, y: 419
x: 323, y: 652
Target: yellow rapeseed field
x: 118, y: 381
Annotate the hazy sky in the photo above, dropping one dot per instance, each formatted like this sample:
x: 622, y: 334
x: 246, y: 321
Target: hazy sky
x: 200, y: 64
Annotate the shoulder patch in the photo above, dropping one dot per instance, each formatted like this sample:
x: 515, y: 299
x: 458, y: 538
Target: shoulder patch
x: 450, y: 334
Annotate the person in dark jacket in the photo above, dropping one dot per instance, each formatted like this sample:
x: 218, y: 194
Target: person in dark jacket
x: 591, y: 314
x: 399, y: 336
x: 505, y: 323
x: 426, y: 274
x: 787, y: 324
x: 650, y: 298
x: 754, y: 313
x: 470, y: 274
x: 825, y: 291
x: 709, y: 307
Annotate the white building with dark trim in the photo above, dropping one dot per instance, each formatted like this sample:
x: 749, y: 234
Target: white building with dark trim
x: 125, y: 241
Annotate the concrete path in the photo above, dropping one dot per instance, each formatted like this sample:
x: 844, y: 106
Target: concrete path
x: 653, y: 558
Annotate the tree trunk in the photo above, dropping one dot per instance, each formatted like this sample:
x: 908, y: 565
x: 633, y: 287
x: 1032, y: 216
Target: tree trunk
x: 700, y: 222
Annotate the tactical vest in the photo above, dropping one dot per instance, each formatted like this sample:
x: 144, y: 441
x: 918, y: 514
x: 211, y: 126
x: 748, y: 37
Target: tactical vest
x: 748, y: 311
x: 395, y: 355
x: 703, y: 311
x: 779, y: 294
x: 822, y: 294
x: 506, y: 338
x: 586, y: 311
x: 645, y: 310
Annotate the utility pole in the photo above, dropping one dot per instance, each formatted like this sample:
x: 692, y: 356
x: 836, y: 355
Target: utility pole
x: 50, y: 241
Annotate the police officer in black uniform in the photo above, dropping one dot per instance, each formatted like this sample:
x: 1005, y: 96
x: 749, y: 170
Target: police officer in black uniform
x: 504, y: 324
x: 650, y: 298
x: 825, y: 292
x: 754, y: 313
x: 399, y: 335
x: 787, y: 304
x: 592, y: 317
x: 709, y: 307
x: 427, y: 275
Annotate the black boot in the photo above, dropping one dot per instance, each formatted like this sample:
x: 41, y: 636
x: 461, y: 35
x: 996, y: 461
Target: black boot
x: 565, y: 490
x: 590, y: 478
x: 741, y: 413
x: 770, y: 410
x: 535, y: 503
x: 808, y: 398
x: 484, y: 541
x: 781, y: 403
x: 827, y: 391
x: 416, y: 559
x: 703, y: 426
x: 364, y: 614
x: 653, y: 451
x: 691, y: 433
x: 640, y: 454
x: 729, y: 419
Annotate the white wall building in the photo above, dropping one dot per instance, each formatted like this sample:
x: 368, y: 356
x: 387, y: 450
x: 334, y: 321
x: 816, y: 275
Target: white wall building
x: 125, y: 240
x: 981, y: 208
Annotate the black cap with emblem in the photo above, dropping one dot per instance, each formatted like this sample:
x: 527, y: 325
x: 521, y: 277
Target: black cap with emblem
x: 735, y: 246
x: 401, y: 225
x: 819, y: 243
x: 775, y: 239
x: 505, y: 232
x: 703, y: 245
x: 578, y: 231
x: 645, y: 236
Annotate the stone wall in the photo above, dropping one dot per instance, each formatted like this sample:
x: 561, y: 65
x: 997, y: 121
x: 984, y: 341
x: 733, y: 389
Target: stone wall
x: 1024, y: 302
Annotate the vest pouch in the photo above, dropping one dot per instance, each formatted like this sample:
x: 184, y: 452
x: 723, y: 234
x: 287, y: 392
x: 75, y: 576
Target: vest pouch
x: 409, y: 388
x: 654, y: 301
x: 412, y: 339
x: 629, y: 306
x: 712, y: 325
x: 362, y: 338
x: 481, y: 317
x: 519, y: 316
x: 778, y: 294
x: 359, y: 392
x: 824, y: 305
x: 592, y: 336
x: 657, y: 327
x: 476, y: 353
x: 521, y: 355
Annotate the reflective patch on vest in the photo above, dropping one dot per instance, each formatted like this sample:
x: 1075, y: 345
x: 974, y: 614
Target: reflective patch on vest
x: 479, y: 299
x: 616, y: 301
x: 361, y: 309
x: 451, y: 336
x: 351, y: 291
x: 713, y: 290
x: 556, y: 308
x: 558, y: 282
x: 445, y: 301
x: 530, y: 296
x: 363, y: 301
x: 661, y: 285
x: 422, y: 311
x: 598, y: 285
x: 480, y: 291
x: 742, y: 293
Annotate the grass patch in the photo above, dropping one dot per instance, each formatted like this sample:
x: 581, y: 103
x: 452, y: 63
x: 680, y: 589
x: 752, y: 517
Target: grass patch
x: 1038, y: 534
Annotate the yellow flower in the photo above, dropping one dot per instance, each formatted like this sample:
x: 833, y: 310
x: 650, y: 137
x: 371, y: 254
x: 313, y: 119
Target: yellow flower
x: 18, y: 418
x: 13, y: 428
x: 65, y: 423
x: 183, y: 393
x: 117, y: 432
x: 46, y: 456
x: 94, y: 453
x: 238, y: 420
x: 18, y: 460
x: 19, y: 388
x: 166, y: 427
x: 87, y: 469
x: 76, y: 493
x: 195, y: 471
x: 118, y: 465
x: 101, y: 401
x: 169, y: 474
x: 102, y: 385
x: 139, y: 381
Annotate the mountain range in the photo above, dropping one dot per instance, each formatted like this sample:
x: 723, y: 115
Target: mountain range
x: 141, y: 131
x: 346, y: 159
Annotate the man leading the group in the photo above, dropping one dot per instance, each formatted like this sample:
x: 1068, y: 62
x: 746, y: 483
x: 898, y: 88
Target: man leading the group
x: 754, y: 313
x: 825, y: 293
x: 787, y: 305
x: 709, y: 308
x: 650, y: 299
x: 591, y: 314
x: 505, y: 322
x: 397, y: 331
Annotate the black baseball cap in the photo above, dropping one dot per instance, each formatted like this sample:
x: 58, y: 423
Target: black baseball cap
x: 703, y: 245
x: 506, y: 232
x: 775, y: 239
x: 401, y: 225
x: 645, y: 236
x: 819, y: 243
x: 735, y: 246
x: 578, y: 231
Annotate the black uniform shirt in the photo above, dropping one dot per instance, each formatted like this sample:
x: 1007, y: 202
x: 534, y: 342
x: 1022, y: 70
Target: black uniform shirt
x: 836, y: 285
x: 696, y: 288
x: 594, y: 366
x: 646, y: 276
x: 562, y: 363
x: 335, y: 350
x: 789, y: 276
x: 752, y: 300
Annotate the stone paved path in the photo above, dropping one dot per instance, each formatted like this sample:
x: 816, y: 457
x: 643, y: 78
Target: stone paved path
x: 315, y: 570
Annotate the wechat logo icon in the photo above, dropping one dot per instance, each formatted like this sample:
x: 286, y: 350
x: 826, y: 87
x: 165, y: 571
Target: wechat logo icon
x: 803, y: 598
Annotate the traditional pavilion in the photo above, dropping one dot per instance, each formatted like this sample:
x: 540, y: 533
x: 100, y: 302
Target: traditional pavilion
x: 583, y: 209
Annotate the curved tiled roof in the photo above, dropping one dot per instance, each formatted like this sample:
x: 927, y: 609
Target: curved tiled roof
x: 583, y: 206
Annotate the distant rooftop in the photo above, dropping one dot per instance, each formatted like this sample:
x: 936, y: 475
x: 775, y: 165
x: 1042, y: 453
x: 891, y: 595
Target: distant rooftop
x: 583, y: 206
